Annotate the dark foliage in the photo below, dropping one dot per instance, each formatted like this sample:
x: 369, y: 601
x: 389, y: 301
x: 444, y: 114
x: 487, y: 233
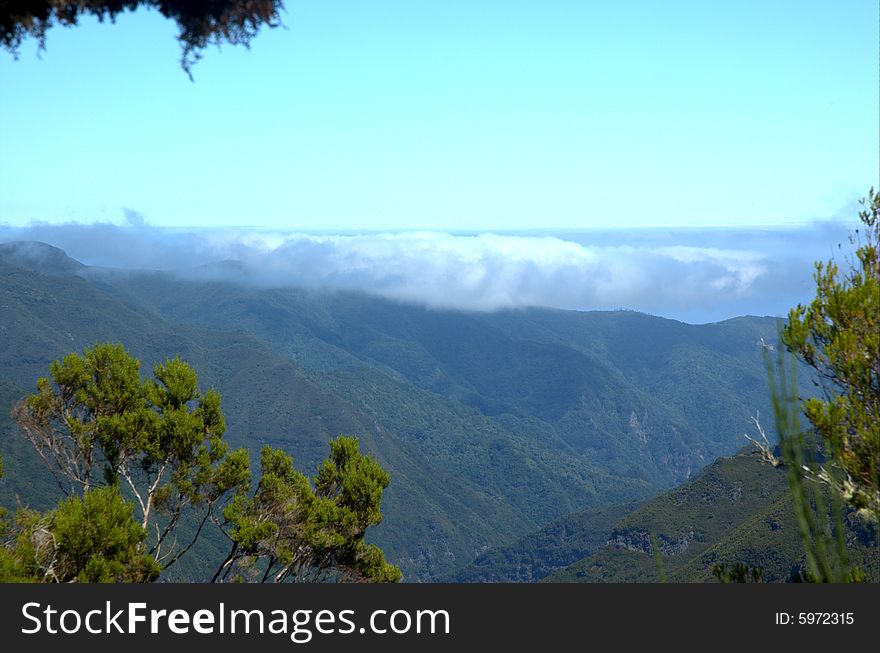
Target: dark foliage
x: 201, y: 22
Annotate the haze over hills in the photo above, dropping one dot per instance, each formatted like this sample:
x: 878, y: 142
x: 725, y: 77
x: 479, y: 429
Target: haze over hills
x: 694, y: 275
x: 491, y: 424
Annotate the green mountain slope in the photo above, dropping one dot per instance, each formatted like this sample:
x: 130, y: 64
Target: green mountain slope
x: 708, y: 376
x: 492, y: 425
x: 737, y: 510
x: 266, y: 400
x: 536, y: 555
x: 643, y: 397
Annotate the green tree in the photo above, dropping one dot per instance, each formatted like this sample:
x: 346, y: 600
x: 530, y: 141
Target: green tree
x: 288, y: 531
x: 737, y: 573
x: 18, y: 556
x: 95, y: 423
x: 121, y: 447
x: 93, y: 539
x: 200, y: 23
x: 818, y: 506
x: 838, y: 335
x: 832, y: 469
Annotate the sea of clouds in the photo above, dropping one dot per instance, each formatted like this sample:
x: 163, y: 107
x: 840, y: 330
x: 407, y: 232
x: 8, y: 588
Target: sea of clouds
x: 694, y: 275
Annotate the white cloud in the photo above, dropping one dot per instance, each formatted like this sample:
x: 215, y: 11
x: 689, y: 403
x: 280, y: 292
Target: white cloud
x: 694, y: 276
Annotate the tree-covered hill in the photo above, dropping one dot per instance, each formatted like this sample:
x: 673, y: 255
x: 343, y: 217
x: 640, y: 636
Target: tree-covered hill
x: 647, y: 397
x: 536, y: 555
x: 266, y: 400
x: 736, y: 511
x: 491, y: 425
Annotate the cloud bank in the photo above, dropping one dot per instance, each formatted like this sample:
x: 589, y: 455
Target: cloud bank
x: 691, y: 275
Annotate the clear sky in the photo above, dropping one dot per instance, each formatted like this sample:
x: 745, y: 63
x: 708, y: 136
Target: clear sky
x: 453, y: 115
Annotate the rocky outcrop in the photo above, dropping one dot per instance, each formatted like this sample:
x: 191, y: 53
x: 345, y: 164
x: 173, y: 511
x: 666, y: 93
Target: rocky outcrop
x: 634, y: 540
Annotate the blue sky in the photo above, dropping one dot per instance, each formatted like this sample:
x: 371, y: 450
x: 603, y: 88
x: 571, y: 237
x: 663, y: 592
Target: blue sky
x: 453, y: 115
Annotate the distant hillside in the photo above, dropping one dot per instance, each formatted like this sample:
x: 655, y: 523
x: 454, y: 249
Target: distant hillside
x: 649, y: 398
x: 737, y: 510
x: 39, y: 257
x: 536, y: 555
x: 491, y: 425
x: 265, y: 397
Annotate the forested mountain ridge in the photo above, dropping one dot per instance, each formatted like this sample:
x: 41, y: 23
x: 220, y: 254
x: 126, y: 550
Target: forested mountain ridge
x: 538, y: 554
x: 738, y: 510
x: 490, y: 424
x: 623, y: 386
